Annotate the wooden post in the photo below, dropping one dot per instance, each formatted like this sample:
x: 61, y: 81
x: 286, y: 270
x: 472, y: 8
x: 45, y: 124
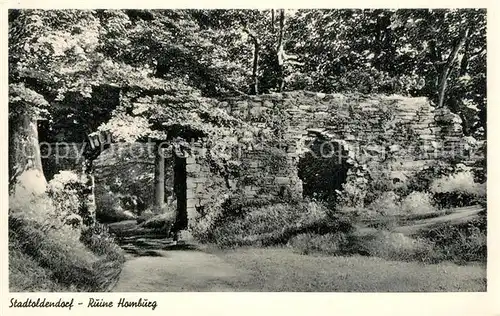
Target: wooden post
x: 159, y: 179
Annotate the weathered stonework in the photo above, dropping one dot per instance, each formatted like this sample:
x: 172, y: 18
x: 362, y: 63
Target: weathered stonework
x: 368, y: 128
x: 375, y: 133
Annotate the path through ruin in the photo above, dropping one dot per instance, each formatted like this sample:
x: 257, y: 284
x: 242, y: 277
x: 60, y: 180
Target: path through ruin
x: 155, y: 265
x: 178, y: 271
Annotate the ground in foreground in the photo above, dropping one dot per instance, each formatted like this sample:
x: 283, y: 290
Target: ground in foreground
x: 279, y: 269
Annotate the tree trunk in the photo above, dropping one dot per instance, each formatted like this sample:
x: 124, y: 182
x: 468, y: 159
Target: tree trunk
x: 159, y: 179
x: 465, y: 59
x: 272, y: 21
x: 25, y: 163
x: 281, y: 52
x: 255, y: 68
x: 442, y: 86
x: 447, y: 68
x: 89, y: 196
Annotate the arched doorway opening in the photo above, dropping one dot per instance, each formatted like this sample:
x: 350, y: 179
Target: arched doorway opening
x: 323, y: 169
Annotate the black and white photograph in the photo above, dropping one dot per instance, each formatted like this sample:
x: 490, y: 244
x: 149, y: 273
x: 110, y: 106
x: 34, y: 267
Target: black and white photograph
x: 247, y: 150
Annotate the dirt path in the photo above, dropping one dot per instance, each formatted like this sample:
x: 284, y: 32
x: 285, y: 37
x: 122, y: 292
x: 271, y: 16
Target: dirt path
x: 178, y: 270
x: 461, y: 215
x: 182, y: 269
x: 458, y: 216
x: 281, y: 270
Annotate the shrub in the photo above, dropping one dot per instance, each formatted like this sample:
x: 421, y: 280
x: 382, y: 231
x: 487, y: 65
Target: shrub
x: 163, y: 221
x: 460, y: 243
x: 101, y: 242
x: 146, y: 215
x: 36, y: 231
x: 353, y: 192
x: 220, y: 211
x: 154, y: 215
x: 396, y: 246
x: 107, y: 201
x: 459, y: 182
x: 386, y: 204
x: 276, y: 224
x: 329, y: 244
x: 26, y: 275
x: 418, y: 203
x: 422, y: 180
x: 114, y: 216
x: 239, y: 204
x: 59, y: 251
x: 66, y: 190
x: 458, y: 190
x: 389, y: 203
x: 110, y: 209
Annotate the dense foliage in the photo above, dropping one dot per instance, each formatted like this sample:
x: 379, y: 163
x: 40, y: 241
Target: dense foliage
x: 412, y: 52
x: 49, y: 254
x: 157, y: 73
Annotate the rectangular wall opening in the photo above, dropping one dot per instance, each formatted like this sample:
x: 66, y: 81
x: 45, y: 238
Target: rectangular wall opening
x: 180, y: 190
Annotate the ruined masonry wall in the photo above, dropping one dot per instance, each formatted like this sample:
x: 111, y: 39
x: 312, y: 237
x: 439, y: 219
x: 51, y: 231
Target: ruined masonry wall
x: 367, y: 124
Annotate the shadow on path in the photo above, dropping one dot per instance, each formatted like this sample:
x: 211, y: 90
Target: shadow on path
x: 181, y: 268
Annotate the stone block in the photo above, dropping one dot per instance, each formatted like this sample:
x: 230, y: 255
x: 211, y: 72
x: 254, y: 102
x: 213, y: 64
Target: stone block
x: 321, y: 107
x: 268, y: 104
x: 205, y: 201
x: 200, y: 188
x: 193, y: 167
x: 190, y: 183
x: 321, y: 115
x: 254, y: 164
x: 250, y: 193
x: 308, y: 93
x: 281, y: 180
x: 200, y: 180
x: 427, y: 136
x: 191, y: 214
x: 190, y: 194
x: 191, y: 203
x: 241, y: 105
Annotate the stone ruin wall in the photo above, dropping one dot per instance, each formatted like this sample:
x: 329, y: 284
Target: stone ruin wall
x: 358, y: 122
x: 367, y: 126
x: 258, y: 179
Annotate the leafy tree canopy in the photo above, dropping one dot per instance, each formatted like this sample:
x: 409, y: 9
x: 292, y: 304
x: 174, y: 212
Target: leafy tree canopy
x: 59, y: 59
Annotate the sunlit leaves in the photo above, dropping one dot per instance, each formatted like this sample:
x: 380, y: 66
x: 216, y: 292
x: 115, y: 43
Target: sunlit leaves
x: 22, y: 99
x: 181, y: 52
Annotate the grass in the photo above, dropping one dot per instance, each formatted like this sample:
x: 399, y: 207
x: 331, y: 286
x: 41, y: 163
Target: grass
x: 279, y: 269
x: 47, y: 255
x: 309, y: 228
x: 272, y: 224
x: 25, y: 274
x: 58, y: 251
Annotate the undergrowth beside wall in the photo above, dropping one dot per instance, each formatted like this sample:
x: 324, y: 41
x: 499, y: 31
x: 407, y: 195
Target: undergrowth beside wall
x: 308, y: 227
x: 49, y: 255
x: 266, y: 222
